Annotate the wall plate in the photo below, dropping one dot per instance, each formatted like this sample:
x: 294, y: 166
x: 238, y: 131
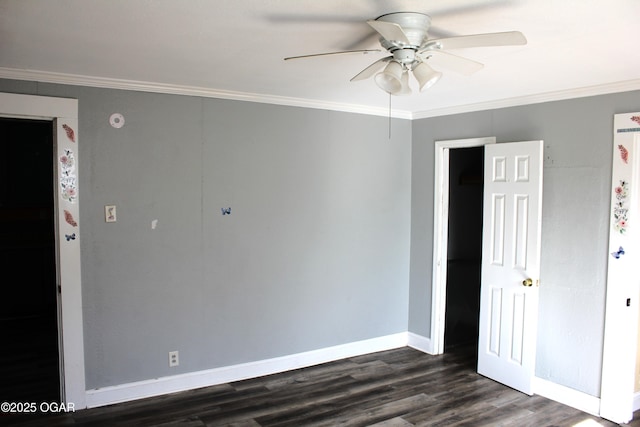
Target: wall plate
x: 110, y: 213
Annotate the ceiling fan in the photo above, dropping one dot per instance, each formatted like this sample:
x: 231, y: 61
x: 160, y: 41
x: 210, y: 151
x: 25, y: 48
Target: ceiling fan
x: 405, y: 36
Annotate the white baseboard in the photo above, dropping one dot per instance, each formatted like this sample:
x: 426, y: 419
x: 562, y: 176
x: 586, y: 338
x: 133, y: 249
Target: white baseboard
x: 420, y: 343
x: 192, y: 380
x: 148, y: 388
x: 567, y: 396
x: 636, y: 402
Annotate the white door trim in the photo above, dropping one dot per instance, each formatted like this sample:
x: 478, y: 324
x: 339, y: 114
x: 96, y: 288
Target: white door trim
x: 64, y: 114
x: 623, y: 286
x: 440, y: 233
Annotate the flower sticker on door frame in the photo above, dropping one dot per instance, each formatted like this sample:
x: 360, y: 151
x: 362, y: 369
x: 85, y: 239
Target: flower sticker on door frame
x: 68, y: 177
x: 68, y: 217
x: 70, y: 133
x: 624, y: 153
x: 620, y: 209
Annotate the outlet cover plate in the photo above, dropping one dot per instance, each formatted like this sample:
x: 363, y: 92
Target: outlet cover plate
x: 110, y: 213
x: 173, y: 359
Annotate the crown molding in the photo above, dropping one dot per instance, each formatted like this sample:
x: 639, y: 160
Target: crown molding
x: 581, y: 92
x: 142, y: 86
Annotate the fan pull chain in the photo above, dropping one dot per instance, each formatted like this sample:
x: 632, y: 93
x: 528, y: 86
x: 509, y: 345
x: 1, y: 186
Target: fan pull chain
x: 389, y: 115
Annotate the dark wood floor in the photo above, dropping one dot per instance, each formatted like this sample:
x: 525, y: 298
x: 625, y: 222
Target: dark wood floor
x: 402, y: 387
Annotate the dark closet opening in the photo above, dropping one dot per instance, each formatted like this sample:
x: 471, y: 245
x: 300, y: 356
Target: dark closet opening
x: 464, y: 247
x: 29, y: 362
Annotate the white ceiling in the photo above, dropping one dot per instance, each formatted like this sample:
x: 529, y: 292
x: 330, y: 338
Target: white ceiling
x: 235, y: 49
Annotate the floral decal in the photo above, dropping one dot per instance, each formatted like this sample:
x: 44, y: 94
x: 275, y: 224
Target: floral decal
x: 636, y: 119
x: 620, y: 209
x: 624, y: 153
x: 68, y: 177
x: 70, y: 133
x: 68, y: 216
x: 69, y: 190
x: 67, y: 160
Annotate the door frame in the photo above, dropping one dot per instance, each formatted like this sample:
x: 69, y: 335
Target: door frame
x: 441, y: 231
x: 617, y: 398
x: 63, y: 112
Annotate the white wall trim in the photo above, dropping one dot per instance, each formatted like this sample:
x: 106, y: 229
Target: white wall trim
x: 148, y: 388
x: 636, y: 401
x: 420, y: 343
x: 33, y: 106
x: 580, y: 92
x: 621, y: 307
x: 142, y: 86
x: 567, y: 396
x: 62, y: 112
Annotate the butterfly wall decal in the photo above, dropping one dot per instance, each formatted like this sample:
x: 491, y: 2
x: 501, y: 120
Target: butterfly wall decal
x: 617, y: 254
x: 70, y: 237
x: 226, y: 211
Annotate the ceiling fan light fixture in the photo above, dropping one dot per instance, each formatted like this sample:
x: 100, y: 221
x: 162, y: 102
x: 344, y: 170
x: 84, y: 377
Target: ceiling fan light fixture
x: 405, y: 36
x: 426, y: 76
x: 390, y: 79
x: 405, y: 89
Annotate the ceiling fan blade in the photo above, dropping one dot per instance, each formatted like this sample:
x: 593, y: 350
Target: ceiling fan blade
x: 316, y: 18
x: 439, y: 33
x: 389, y: 30
x: 342, y: 52
x: 509, y: 38
x: 370, y: 38
x: 371, y: 69
x: 453, y: 62
x: 453, y: 10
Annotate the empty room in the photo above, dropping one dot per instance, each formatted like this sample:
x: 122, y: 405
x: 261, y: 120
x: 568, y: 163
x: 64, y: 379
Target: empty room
x: 262, y: 213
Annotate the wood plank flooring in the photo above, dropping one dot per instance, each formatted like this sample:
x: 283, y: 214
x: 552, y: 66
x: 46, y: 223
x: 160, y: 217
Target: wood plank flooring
x: 395, y: 388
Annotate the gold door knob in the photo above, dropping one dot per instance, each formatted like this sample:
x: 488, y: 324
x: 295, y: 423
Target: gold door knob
x: 527, y: 282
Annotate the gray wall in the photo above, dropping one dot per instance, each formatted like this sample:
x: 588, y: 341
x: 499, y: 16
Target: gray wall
x: 324, y: 211
x: 315, y: 252
x: 578, y: 141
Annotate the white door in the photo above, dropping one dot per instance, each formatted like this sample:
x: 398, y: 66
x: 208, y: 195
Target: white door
x: 510, y: 263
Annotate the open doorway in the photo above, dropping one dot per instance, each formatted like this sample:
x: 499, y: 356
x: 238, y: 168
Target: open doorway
x: 464, y: 248
x: 466, y: 179
x: 62, y: 114
x: 28, y: 309
x: 512, y: 201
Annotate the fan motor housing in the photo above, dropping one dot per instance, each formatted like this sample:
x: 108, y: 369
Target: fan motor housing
x: 415, y: 26
x: 405, y: 56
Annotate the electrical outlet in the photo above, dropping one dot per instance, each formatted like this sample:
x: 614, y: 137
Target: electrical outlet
x: 173, y: 358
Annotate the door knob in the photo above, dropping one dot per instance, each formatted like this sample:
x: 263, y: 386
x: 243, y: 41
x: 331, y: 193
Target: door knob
x: 527, y: 282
